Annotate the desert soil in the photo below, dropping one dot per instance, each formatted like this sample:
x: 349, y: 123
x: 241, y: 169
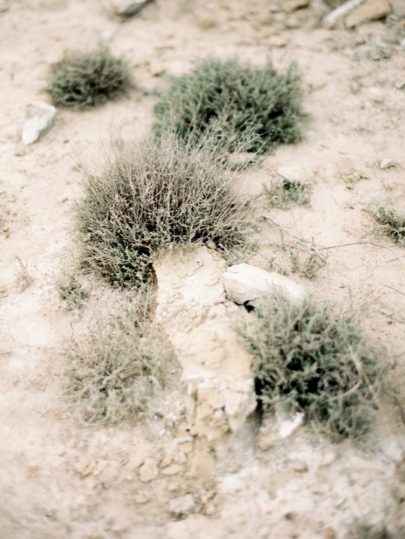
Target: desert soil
x: 60, y: 479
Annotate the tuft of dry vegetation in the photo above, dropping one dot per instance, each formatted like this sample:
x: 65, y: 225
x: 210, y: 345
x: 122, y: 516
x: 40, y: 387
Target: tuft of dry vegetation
x: 243, y: 98
x: 151, y: 196
x: 115, y: 368
x: 88, y: 78
x: 314, y: 361
x: 72, y: 292
x: 390, y: 222
x: 361, y: 530
x: 284, y: 193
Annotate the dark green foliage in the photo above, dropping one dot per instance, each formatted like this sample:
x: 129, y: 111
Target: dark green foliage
x: 115, y: 368
x: 285, y: 193
x: 241, y: 97
x: 151, y: 196
x: 390, y: 222
x: 315, y: 362
x: 88, y: 78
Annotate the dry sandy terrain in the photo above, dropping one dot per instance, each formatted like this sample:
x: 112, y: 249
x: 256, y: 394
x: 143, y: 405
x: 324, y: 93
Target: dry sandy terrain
x: 59, y: 479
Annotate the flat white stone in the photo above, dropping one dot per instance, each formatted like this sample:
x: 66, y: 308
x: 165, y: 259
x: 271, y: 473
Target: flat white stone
x: 39, y: 118
x: 245, y: 283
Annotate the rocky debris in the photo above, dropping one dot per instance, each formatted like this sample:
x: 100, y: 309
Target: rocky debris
x: 294, y: 174
x: 337, y: 15
x: 156, y: 69
x: 278, y: 41
x: 297, y: 465
x: 398, y: 7
x: 327, y: 459
x: 370, y: 10
x: 292, y: 5
x: 278, y: 427
x: 192, y: 309
x: 386, y: 164
x: 20, y: 149
x: 148, y: 471
x: 127, y: 8
x: 245, y: 284
x: 39, y: 118
x: 182, y: 506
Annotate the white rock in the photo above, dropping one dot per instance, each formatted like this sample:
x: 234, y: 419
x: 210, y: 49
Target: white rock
x: 244, y: 282
x: 39, y: 118
x: 182, y: 506
x: 370, y: 10
x: 340, y: 12
x: 127, y: 8
x: 291, y: 173
x: 385, y: 164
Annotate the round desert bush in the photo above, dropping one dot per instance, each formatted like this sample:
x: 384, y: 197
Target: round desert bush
x: 246, y: 100
x: 153, y: 195
x: 88, y: 78
x: 314, y: 361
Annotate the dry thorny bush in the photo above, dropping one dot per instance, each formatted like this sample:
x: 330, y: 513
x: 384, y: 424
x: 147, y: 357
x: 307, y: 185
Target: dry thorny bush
x: 153, y: 195
x: 315, y: 361
x: 116, y: 367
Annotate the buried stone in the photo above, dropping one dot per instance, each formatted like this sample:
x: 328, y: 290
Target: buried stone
x: 246, y: 285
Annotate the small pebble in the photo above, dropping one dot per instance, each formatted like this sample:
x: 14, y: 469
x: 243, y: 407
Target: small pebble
x: 385, y: 164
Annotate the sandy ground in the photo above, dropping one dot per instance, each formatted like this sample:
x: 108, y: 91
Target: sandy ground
x: 59, y: 479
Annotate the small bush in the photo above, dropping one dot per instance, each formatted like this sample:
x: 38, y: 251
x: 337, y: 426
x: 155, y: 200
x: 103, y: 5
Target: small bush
x: 88, y: 78
x: 72, y: 292
x: 114, y: 369
x: 285, y: 193
x: 315, y: 362
x: 390, y: 223
x: 151, y: 196
x: 241, y: 97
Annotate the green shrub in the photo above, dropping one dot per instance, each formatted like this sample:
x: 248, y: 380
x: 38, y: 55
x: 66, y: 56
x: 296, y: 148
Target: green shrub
x: 116, y: 367
x: 314, y: 362
x: 242, y: 98
x: 72, y: 292
x: 88, y: 78
x: 285, y: 193
x: 390, y: 223
x: 151, y: 196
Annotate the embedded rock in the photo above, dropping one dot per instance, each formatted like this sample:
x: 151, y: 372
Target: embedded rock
x: 338, y: 14
x: 39, y: 118
x: 371, y: 10
x: 126, y: 9
x: 182, y: 506
x: 293, y: 5
x: 248, y: 284
x: 192, y: 309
